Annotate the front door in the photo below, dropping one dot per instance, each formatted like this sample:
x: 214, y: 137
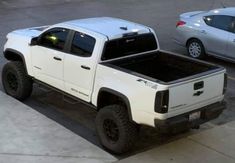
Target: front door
x: 48, y: 57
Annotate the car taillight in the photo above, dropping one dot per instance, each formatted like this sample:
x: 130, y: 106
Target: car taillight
x: 180, y: 23
x: 225, y: 83
x: 161, y: 101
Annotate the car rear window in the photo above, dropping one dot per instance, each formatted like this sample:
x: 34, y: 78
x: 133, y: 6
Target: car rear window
x: 129, y: 45
x: 208, y: 20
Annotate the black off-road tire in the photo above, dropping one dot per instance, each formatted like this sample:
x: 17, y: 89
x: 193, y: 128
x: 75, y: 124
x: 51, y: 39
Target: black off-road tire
x: 15, y: 80
x: 127, y: 130
x: 196, y: 49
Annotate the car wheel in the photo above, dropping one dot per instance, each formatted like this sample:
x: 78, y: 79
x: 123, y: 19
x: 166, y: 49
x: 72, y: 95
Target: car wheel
x: 195, y: 49
x: 115, y: 131
x: 15, y: 81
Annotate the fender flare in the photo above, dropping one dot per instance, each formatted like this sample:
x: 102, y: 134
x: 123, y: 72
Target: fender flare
x: 7, y: 50
x: 121, y: 96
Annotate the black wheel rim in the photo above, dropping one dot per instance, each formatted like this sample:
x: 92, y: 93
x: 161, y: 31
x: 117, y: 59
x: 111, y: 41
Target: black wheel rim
x: 111, y: 130
x: 12, y: 81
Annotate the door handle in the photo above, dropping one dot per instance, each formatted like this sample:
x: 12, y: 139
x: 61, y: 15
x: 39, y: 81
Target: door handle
x: 85, y: 67
x: 57, y: 58
x: 203, y: 31
x: 198, y: 93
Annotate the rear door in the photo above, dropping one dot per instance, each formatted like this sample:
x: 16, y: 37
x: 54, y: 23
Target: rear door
x: 80, y: 64
x: 230, y: 53
x: 215, y: 33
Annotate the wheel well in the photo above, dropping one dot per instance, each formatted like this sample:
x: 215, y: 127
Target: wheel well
x: 106, y: 98
x: 12, y: 56
x: 193, y: 38
x: 109, y: 97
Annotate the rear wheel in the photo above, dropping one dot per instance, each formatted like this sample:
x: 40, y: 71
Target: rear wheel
x: 15, y: 81
x: 195, y: 49
x: 114, y: 129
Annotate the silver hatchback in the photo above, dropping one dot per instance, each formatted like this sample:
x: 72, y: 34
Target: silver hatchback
x: 208, y: 32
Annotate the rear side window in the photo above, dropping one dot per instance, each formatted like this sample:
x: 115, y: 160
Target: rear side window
x: 82, y: 45
x: 54, y: 38
x: 222, y: 22
x: 129, y: 45
x: 208, y: 20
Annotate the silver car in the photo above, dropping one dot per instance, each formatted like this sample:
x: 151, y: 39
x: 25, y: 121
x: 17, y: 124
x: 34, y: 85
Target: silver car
x: 208, y: 32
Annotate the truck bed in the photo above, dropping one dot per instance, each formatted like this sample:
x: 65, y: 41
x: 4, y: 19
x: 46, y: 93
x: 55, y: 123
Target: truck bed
x: 163, y: 66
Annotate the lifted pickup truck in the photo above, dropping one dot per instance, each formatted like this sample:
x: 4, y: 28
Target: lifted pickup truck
x: 115, y: 66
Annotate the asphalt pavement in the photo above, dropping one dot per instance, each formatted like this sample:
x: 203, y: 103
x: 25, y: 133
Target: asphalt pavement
x: 161, y: 15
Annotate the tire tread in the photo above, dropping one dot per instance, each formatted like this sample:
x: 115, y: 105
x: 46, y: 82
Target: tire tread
x: 130, y: 128
x: 24, y: 81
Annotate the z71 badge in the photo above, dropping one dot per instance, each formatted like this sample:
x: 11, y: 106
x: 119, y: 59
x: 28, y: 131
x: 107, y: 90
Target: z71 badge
x: 148, y: 84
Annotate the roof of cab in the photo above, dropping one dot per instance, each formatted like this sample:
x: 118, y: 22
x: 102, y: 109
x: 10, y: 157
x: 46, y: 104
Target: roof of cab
x: 110, y: 27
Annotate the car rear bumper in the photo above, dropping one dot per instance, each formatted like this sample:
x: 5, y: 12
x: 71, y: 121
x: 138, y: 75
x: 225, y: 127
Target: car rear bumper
x: 182, y: 122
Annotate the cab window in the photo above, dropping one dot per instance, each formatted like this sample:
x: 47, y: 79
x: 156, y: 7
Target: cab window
x: 82, y: 45
x: 54, y: 38
x: 129, y: 45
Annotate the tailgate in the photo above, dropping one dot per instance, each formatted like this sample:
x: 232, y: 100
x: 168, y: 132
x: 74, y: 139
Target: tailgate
x: 202, y: 90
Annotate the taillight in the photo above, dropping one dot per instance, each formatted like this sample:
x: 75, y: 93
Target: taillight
x: 225, y: 83
x: 180, y: 23
x: 161, y: 101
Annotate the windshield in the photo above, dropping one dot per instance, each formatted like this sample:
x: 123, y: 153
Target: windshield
x: 129, y: 45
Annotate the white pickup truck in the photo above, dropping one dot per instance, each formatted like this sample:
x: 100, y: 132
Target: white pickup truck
x: 115, y: 66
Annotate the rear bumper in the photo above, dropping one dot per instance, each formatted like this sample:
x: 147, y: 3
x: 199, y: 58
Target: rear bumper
x: 181, y: 36
x: 182, y: 122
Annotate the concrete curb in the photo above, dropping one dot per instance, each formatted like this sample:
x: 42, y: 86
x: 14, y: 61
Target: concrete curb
x: 28, y: 136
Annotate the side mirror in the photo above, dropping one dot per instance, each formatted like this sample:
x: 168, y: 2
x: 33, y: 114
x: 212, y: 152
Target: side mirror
x: 34, y: 41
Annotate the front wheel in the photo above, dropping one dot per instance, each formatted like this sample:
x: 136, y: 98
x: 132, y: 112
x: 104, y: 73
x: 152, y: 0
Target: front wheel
x: 195, y: 49
x: 114, y: 129
x: 15, y: 81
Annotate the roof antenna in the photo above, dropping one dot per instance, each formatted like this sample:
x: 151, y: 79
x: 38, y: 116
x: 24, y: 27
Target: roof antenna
x: 212, y: 5
x: 223, y: 5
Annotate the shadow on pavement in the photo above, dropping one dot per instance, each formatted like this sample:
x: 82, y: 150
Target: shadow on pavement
x: 80, y: 119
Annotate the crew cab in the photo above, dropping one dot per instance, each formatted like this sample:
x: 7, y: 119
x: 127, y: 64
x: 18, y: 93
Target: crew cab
x: 117, y: 67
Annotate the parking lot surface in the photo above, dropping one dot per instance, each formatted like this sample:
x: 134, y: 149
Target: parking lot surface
x: 161, y: 15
